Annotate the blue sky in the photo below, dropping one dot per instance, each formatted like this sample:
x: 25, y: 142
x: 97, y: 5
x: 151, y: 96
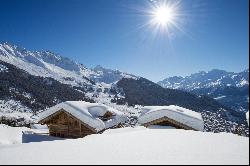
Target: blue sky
x: 105, y: 32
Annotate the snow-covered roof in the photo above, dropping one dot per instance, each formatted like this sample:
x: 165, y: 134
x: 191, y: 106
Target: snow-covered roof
x: 88, y: 113
x: 179, y: 114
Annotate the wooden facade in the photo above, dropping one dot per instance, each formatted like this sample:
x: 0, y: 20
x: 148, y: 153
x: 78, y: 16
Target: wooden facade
x: 62, y: 124
x: 165, y: 121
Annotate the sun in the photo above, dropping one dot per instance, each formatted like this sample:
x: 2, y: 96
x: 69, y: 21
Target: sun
x: 164, y: 15
x: 164, y: 19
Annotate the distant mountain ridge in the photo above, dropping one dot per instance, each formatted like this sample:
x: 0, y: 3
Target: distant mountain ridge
x: 211, y: 79
x: 229, y: 88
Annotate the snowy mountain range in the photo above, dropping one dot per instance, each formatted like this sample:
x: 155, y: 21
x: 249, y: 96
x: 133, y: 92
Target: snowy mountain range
x: 48, y: 64
x: 229, y: 88
x: 31, y: 81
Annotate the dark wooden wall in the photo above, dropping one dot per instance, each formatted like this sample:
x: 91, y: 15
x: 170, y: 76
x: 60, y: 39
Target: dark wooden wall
x: 165, y: 121
x: 66, y: 126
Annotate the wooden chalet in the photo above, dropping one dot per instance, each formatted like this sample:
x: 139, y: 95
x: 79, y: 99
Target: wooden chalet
x: 172, y: 116
x: 76, y: 119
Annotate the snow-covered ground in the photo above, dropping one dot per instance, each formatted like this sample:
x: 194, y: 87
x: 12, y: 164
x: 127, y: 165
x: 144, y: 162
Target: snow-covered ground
x: 11, y: 135
x: 133, y: 146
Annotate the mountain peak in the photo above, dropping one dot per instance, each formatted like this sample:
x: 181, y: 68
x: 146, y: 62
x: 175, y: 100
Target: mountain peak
x: 218, y: 71
x: 99, y: 67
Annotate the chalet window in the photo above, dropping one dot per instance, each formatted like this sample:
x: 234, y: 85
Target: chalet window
x: 107, y: 116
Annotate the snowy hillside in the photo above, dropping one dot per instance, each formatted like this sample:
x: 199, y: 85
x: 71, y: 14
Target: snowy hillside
x: 12, y: 109
x: 132, y: 146
x: 97, y: 84
x: 64, y: 70
x: 228, y: 88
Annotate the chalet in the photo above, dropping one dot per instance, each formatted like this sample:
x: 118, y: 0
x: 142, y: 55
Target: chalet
x: 173, y: 116
x: 76, y: 119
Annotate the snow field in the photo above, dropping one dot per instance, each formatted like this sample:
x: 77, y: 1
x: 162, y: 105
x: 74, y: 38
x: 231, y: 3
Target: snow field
x: 134, y: 146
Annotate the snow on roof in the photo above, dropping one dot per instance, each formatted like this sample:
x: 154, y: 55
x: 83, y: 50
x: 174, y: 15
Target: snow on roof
x: 179, y: 114
x: 89, y: 113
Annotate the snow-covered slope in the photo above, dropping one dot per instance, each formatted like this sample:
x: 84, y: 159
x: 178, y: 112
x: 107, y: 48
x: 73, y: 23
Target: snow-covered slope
x: 134, y: 146
x: 45, y: 64
x: 48, y: 64
x: 22, y: 95
x: 109, y: 76
x: 13, y: 109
